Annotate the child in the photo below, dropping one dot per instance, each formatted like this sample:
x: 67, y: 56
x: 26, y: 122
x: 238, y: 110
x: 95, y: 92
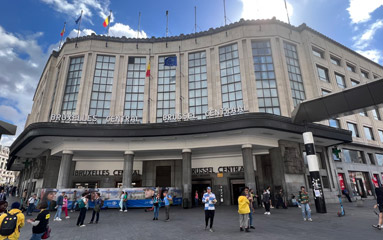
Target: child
x: 156, y: 205
x: 65, y: 206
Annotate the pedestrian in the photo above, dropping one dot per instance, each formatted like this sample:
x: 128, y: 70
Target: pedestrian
x: 31, y: 204
x: 266, y: 200
x: 167, y: 199
x: 123, y: 201
x: 40, y: 224
x: 280, y: 200
x: 7, y: 227
x: 65, y: 206
x: 250, y: 198
x: 3, y: 207
x: 59, y: 205
x: 3, y: 196
x: 23, y: 197
x: 74, y: 201
x: 379, y: 205
x: 82, y: 206
x: 209, y: 200
x: 243, y: 210
x: 156, y: 205
x: 196, y: 199
x: 346, y: 193
x: 303, y: 199
x: 97, y: 208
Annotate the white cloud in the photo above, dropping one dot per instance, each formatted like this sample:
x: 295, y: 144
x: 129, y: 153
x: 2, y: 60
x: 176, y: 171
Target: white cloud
x: 21, y: 63
x: 374, y: 54
x: 261, y: 9
x: 362, y: 41
x: 360, y: 10
x: 119, y: 30
x: 74, y: 8
x: 83, y: 32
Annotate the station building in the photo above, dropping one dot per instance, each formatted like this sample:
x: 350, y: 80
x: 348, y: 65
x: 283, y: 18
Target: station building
x: 215, y: 110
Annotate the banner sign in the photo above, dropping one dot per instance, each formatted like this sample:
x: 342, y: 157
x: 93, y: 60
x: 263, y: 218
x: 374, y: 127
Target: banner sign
x: 341, y: 181
x: 137, y: 197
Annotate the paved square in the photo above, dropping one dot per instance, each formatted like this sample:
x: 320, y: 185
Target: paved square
x: 189, y: 224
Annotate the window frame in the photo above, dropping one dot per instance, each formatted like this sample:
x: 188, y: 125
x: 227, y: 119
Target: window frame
x: 326, y: 73
x: 335, y: 60
x: 317, y: 52
x: 355, y: 127
x: 350, y: 67
x: 370, y: 132
x: 343, y: 86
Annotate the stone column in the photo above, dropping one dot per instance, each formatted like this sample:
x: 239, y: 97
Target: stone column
x: 186, y: 178
x: 312, y: 162
x: 248, y: 166
x: 128, y: 169
x: 64, y: 172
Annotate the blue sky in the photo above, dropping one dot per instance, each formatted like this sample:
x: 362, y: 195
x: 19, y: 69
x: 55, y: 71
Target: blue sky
x: 30, y: 30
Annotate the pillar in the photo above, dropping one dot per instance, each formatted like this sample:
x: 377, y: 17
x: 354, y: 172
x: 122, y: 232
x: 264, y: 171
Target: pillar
x: 186, y: 178
x: 248, y: 166
x: 64, y: 172
x: 128, y: 169
x: 312, y: 162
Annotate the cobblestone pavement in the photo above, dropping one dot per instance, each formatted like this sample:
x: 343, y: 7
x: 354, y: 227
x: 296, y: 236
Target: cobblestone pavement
x: 189, y: 224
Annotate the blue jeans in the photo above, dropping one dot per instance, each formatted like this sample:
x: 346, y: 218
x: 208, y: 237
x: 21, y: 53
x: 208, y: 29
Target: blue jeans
x: 306, y: 209
x: 36, y: 236
x: 30, y: 209
x: 251, y: 217
x: 58, y: 213
x: 196, y: 202
x: 156, y: 211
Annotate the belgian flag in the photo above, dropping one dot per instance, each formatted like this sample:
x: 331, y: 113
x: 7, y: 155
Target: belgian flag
x: 107, y: 21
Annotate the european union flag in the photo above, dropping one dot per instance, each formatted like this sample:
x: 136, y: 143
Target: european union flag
x: 171, y: 61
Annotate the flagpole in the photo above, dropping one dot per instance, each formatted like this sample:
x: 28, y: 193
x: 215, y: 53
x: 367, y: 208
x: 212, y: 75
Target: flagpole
x: 288, y: 18
x: 167, y: 28
x: 78, y: 29
x: 138, y: 31
x: 195, y: 24
x: 62, y: 36
x: 109, y: 18
x: 149, y: 99
x: 224, y: 10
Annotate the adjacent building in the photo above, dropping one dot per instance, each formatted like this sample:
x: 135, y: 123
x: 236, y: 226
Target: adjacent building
x: 214, y: 110
x: 6, y: 177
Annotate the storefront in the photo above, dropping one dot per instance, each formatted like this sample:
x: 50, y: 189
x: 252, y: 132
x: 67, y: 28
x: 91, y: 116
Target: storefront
x: 360, y: 184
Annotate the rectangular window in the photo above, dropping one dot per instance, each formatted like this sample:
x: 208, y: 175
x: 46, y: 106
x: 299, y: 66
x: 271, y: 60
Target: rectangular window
x: 368, y: 132
x: 340, y: 80
x: 335, y: 60
x: 364, y: 74
x: 354, y: 82
x: 376, y: 114
x: 371, y: 158
x: 166, y: 89
x: 318, y: 53
x: 379, y: 159
x: 350, y: 67
x: 135, y: 85
x: 72, y: 86
x: 381, y: 135
x: 352, y: 156
x: 376, y: 76
x: 230, y: 77
x: 102, y: 88
x: 363, y: 114
x: 353, y: 128
x: 334, y: 123
x: 325, y: 92
x: 293, y: 68
x: 265, y: 77
x: 198, y: 102
x: 323, y: 74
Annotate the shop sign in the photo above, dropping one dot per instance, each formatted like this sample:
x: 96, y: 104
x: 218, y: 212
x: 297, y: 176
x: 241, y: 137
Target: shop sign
x: 375, y: 180
x: 222, y: 169
x: 93, y: 173
x: 75, y: 118
x: 212, y: 113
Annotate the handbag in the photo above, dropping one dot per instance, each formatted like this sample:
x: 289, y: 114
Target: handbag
x: 47, y: 233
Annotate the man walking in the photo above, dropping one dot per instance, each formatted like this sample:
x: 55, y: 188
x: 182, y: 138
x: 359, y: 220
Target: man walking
x: 31, y: 204
x: 379, y: 205
x: 82, y: 206
x: 59, y: 202
x: 167, y: 199
x: 209, y: 200
x: 266, y: 200
x: 97, y: 208
x: 303, y: 199
x: 74, y: 201
x: 3, y: 196
x: 250, y: 198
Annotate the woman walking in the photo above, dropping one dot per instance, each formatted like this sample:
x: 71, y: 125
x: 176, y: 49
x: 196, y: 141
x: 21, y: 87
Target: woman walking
x: 156, y: 205
x: 40, y: 224
x: 65, y: 206
x: 266, y: 200
x: 243, y: 210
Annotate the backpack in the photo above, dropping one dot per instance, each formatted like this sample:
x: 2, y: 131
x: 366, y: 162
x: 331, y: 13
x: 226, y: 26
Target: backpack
x: 102, y: 203
x: 8, y: 226
x: 80, y: 203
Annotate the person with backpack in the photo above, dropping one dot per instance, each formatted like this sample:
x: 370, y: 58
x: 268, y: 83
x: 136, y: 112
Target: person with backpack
x: 31, y: 204
x: 303, y: 199
x: 244, y: 211
x: 156, y: 205
x: 40, y: 224
x: 82, y: 206
x: 11, y: 223
x: 60, y: 202
x: 98, y: 203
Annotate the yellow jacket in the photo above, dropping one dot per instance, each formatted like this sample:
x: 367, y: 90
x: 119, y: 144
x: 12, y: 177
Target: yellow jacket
x: 243, y: 205
x: 20, y: 224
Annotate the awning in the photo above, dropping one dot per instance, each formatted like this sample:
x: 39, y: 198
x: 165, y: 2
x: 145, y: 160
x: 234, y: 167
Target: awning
x: 7, y: 129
